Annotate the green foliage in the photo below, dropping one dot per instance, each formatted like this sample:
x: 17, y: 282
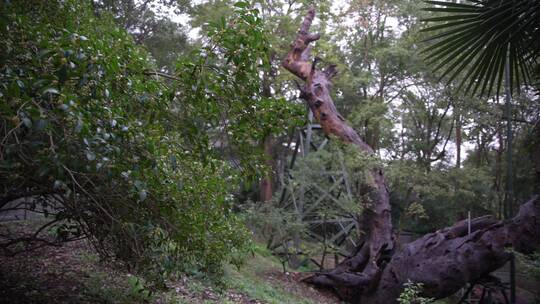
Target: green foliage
x: 126, y: 159
x: 104, y: 285
x: 530, y: 263
x: 412, y: 294
x: 271, y: 221
x: 255, y: 280
x: 371, y: 119
x: 426, y: 201
x: 416, y: 210
x: 221, y: 105
x: 319, y: 167
x: 149, y: 24
x: 331, y: 183
x: 138, y: 290
x: 277, y: 226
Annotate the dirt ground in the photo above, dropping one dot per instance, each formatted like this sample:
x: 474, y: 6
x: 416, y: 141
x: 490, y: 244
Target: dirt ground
x: 73, y: 273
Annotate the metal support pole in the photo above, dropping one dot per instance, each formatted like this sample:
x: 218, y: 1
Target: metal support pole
x: 469, y: 222
x: 508, y: 196
x: 309, y: 131
x: 513, y: 279
x: 468, y: 234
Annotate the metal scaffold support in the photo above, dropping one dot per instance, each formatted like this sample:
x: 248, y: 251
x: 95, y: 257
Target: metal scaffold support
x: 309, y: 201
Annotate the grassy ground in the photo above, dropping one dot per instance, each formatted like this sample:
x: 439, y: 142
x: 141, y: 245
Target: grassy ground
x: 73, y: 273
x: 262, y: 278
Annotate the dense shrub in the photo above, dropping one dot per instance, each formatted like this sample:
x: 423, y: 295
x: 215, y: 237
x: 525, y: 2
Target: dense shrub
x: 426, y: 201
x: 123, y: 157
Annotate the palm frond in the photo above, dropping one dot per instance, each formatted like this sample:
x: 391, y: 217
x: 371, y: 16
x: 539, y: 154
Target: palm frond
x: 474, y: 39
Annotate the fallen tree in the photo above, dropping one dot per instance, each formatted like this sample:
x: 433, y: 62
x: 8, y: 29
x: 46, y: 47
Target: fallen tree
x: 443, y: 261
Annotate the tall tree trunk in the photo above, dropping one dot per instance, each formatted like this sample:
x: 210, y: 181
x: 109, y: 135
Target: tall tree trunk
x: 445, y: 260
x: 509, y: 187
x: 266, y: 184
x: 498, y: 172
x: 458, y: 139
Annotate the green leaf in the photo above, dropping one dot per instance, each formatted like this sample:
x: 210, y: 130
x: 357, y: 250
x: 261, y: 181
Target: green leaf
x: 90, y: 156
x: 142, y: 195
x: 139, y: 185
x: 241, y: 4
x: 51, y: 91
x: 79, y: 126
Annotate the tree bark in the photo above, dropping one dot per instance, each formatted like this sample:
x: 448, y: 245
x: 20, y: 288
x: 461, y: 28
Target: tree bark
x: 445, y: 260
x: 266, y: 184
x: 362, y: 268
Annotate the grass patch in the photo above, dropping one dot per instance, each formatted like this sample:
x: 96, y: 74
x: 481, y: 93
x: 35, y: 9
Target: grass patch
x: 252, y: 279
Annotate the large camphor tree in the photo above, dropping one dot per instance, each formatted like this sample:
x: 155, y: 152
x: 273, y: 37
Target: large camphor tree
x: 443, y: 261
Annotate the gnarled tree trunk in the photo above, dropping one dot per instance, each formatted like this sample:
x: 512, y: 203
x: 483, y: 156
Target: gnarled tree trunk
x: 361, y: 270
x: 445, y: 260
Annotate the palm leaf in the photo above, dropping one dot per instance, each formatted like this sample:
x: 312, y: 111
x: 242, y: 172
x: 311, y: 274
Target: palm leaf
x: 474, y: 40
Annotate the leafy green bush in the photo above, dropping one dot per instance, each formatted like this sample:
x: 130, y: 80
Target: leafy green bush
x: 530, y: 263
x: 123, y: 157
x: 425, y: 201
x: 322, y: 166
x: 411, y: 294
x: 220, y: 100
x: 290, y: 235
